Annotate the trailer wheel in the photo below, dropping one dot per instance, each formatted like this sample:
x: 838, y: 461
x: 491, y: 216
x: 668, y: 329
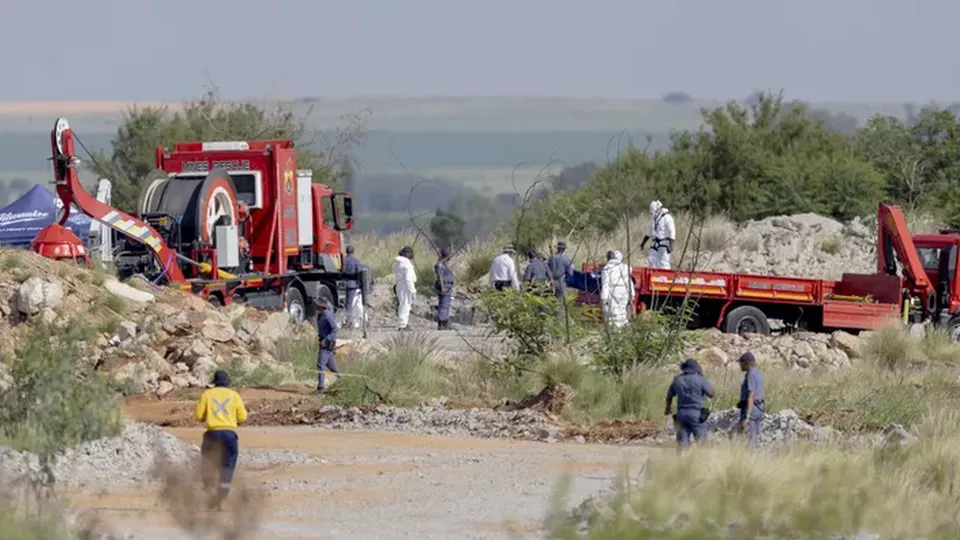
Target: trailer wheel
x: 746, y: 320
x: 295, y: 305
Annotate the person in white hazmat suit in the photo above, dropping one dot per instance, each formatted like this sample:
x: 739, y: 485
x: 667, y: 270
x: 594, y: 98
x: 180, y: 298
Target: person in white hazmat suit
x: 616, y: 289
x: 663, y: 232
x: 406, y: 287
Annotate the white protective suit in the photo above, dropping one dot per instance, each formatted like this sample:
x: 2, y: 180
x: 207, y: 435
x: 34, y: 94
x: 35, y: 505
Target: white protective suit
x: 660, y: 229
x: 406, y: 276
x: 616, y: 290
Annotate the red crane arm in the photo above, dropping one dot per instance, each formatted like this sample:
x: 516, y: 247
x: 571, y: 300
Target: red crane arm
x: 893, y: 236
x: 71, y: 192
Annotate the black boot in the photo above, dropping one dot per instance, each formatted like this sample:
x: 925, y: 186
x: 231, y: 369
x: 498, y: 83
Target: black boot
x: 439, y: 325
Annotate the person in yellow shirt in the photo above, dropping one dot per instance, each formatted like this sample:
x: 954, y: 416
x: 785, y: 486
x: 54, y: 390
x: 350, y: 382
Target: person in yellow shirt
x: 222, y: 409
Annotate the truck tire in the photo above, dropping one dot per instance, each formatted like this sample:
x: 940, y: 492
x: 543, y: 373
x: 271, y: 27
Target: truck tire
x: 324, y: 292
x: 296, y: 307
x: 953, y: 329
x: 746, y: 320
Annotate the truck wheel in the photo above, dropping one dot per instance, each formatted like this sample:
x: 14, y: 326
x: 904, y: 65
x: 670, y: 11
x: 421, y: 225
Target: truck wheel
x: 953, y: 329
x: 215, y: 301
x: 746, y: 320
x: 295, y: 305
x: 324, y: 292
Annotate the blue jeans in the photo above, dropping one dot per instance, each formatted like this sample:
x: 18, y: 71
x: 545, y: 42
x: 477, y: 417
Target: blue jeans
x: 443, y: 306
x: 219, y: 452
x: 688, y: 426
x: 324, y: 361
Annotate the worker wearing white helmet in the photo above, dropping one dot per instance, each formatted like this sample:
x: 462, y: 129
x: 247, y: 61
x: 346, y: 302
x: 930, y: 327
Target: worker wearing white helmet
x: 663, y: 232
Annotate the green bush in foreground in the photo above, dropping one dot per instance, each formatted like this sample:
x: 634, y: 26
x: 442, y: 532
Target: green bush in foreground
x: 56, y: 400
x: 802, y: 491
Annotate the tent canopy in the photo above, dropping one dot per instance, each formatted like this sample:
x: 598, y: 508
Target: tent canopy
x: 21, y: 220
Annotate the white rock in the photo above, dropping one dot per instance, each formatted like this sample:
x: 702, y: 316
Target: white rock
x: 848, y: 343
x: 164, y: 388
x: 36, y: 294
x: 218, y: 331
x: 127, y: 331
x: 127, y: 292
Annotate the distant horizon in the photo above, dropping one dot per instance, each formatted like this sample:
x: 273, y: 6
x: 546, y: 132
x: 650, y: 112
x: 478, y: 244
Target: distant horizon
x: 46, y: 107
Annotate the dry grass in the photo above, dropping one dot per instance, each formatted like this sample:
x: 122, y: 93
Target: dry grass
x: 469, y: 264
x: 714, y: 234
x: 803, y: 491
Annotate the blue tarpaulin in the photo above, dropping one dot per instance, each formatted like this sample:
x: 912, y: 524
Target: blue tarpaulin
x: 21, y: 220
x: 583, y: 281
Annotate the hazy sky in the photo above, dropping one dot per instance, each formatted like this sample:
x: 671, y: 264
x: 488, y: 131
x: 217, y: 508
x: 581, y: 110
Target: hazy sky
x: 863, y: 50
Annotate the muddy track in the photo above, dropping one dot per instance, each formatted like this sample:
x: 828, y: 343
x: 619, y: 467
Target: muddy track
x: 298, y: 406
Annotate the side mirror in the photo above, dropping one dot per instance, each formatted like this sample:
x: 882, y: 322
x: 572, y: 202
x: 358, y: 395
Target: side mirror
x: 343, y: 211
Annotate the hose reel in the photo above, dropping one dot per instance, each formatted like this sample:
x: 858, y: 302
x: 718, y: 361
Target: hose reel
x: 199, y: 204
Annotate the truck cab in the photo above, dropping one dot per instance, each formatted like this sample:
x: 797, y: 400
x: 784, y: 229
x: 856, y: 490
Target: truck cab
x: 938, y: 256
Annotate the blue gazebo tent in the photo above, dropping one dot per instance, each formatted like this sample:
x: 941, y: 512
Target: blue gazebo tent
x: 21, y: 220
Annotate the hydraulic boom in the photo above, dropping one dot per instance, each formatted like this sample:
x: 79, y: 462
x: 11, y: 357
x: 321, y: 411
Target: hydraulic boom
x: 71, y: 192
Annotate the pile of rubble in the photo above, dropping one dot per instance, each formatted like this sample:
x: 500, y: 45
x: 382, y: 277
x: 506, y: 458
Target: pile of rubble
x: 118, y: 461
x: 803, y: 245
x: 798, y: 350
x: 151, y: 339
x: 434, y: 418
x: 181, y: 346
x: 779, y: 427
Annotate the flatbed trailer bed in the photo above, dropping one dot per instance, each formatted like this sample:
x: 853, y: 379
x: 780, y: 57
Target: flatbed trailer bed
x: 740, y: 303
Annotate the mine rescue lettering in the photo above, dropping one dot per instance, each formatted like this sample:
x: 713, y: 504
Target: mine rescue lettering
x: 776, y: 286
x: 227, y: 164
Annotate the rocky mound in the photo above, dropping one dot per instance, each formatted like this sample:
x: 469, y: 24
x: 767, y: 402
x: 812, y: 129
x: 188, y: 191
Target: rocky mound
x: 125, y: 460
x: 798, y: 350
x: 803, y: 245
x: 150, y: 338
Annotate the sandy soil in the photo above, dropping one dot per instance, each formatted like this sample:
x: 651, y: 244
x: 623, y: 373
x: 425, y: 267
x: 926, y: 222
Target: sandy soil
x: 24, y: 108
x: 380, y: 485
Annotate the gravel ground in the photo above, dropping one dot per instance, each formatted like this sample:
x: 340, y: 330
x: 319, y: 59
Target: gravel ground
x: 387, y: 485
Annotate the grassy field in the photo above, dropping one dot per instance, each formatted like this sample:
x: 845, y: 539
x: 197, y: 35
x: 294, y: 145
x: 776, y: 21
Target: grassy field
x: 471, y: 113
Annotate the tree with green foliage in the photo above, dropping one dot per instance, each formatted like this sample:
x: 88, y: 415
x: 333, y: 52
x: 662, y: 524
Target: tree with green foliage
x: 446, y: 228
x: 766, y: 157
x: 212, y: 119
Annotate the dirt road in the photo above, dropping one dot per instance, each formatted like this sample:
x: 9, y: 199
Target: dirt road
x: 389, y: 485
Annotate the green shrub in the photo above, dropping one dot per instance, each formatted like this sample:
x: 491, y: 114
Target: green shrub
x: 300, y: 354
x: 404, y: 375
x: 55, y: 400
x: 647, y: 339
x: 533, y: 322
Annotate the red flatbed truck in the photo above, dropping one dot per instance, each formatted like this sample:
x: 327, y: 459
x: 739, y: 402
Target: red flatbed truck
x: 916, y: 281
x: 231, y: 221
